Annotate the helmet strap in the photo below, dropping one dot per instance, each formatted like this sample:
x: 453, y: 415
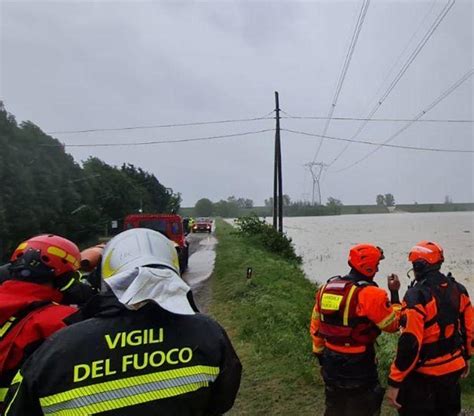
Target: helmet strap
x: 421, y: 268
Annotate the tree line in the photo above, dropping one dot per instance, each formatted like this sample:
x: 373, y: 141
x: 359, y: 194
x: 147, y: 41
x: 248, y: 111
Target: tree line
x: 235, y: 207
x: 43, y: 190
x: 386, y: 200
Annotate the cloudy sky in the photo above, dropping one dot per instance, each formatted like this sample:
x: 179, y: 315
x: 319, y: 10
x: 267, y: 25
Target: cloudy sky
x: 74, y: 65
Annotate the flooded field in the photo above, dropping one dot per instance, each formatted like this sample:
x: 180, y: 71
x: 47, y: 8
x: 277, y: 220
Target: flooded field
x: 323, y: 242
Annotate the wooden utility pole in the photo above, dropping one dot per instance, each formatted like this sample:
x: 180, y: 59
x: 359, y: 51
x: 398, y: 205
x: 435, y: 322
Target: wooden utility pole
x: 277, y: 173
x: 280, y: 173
x: 275, y: 180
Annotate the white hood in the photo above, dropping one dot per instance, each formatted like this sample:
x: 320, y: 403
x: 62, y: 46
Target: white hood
x: 163, y: 286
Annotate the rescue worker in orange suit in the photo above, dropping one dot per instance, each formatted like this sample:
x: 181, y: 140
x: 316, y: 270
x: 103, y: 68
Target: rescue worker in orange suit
x: 40, y: 272
x: 349, y: 314
x: 436, y: 339
x: 149, y: 352
x: 90, y: 264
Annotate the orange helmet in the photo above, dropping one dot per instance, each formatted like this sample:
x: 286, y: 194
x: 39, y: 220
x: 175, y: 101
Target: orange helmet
x: 427, y: 251
x: 46, y: 254
x: 91, y: 257
x: 365, y: 258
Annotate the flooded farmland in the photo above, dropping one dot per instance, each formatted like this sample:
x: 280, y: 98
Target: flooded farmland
x: 323, y: 242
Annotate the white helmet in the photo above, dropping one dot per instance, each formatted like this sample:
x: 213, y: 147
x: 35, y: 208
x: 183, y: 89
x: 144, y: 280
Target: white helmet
x: 138, y: 247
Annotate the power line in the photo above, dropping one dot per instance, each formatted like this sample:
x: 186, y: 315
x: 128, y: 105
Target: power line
x: 378, y: 120
x: 423, y: 42
x: 345, y: 68
x: 453, y: 87
x: 208, y: 138
x: 159, y: 126
x: 397, y: 61
x: 371, y: 143
x: 154, y: 142
x: 266, y: 117
x: 400, y: 74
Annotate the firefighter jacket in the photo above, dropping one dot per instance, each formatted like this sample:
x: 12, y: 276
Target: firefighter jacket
x: 349, y: 313
x: 129, y: 362
x: 437, y: 329
x: 28, y: 315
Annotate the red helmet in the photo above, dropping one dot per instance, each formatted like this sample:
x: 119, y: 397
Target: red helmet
x: 427, y: 251
x: 48, y: 252
x: 365, y: 258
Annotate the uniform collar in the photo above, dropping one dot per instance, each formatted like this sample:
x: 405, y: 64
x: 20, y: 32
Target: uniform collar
x: 433, y: 277
x: 102, y: 305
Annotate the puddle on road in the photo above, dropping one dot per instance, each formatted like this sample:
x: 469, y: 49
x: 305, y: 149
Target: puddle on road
x: 201, y: 262
x: 200, y: 268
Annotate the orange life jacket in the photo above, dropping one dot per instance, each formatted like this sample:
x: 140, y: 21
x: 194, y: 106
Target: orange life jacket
x: 340, y: 324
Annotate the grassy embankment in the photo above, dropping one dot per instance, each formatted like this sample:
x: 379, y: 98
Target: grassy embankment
x: 267, y: 319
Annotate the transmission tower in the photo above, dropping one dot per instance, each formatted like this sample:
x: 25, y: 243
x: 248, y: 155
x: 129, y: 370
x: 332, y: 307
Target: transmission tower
x: 316, y: 170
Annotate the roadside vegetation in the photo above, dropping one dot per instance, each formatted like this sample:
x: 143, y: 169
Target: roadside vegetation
x: 267, y: 318
x: 265, y: 236
x: 45, y: 191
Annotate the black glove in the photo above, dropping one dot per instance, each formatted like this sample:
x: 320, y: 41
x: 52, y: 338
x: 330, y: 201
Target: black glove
x: 74, y: 292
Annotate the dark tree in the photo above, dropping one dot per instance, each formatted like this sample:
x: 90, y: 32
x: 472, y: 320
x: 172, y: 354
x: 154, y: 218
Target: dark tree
x: 389, y: 200
x: 44, y: 191
x: 203, y: 208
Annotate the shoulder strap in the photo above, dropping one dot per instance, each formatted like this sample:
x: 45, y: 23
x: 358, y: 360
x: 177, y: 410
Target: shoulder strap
x: 14, y: 320
x: 13, y: 327
x: 334, y: 278
x: 365, y: 283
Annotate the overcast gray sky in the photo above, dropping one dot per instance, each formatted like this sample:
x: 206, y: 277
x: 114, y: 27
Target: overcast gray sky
x: 69, y: 65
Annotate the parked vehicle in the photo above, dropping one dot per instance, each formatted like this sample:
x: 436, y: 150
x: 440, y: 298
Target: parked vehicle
x: 202, y: 225
x: 170, y: 225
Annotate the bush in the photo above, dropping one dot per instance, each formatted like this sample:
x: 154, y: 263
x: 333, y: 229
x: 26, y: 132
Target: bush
x: 266, y: 236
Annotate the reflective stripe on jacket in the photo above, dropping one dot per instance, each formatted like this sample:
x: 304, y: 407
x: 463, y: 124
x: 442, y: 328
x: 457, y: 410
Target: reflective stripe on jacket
x: 123, y: 362
x: 437, y: 329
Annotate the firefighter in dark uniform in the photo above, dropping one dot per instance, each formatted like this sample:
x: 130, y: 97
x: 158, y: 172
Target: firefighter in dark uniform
x: 39, y: 274
x: 349, y: 314
x: 142, y: 350
x: 436, y: 341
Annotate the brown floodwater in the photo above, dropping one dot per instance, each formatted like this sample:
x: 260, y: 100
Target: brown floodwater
x: 324, y: 242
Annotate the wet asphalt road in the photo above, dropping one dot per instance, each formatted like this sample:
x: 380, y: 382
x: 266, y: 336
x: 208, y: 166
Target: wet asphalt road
x: 201, y: 264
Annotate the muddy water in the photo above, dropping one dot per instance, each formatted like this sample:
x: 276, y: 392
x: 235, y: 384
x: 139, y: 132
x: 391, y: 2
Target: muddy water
x: 323, y: 242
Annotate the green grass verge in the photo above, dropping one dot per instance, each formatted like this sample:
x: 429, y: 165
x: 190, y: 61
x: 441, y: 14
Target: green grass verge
x: 267, y: 318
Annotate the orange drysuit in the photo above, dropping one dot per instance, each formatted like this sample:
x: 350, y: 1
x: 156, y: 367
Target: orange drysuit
x: 437, y: 329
